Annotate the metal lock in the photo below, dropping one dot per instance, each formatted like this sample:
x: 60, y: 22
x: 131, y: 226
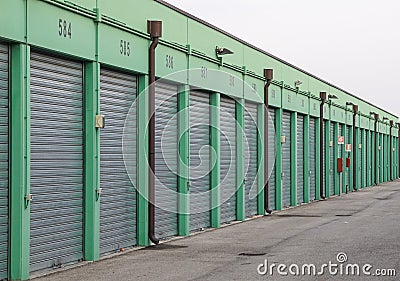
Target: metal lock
x: 100, y: 121
x: 99, y: 191
x: 283, y: 139
x: 360, y: 146
x: 29, y: 197
x: 331, y: 143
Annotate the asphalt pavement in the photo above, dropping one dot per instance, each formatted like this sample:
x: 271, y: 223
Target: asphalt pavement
x: 359, y: 230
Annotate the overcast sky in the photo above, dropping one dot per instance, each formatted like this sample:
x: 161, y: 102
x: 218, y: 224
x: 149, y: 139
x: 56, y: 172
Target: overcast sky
x: 353, y: 44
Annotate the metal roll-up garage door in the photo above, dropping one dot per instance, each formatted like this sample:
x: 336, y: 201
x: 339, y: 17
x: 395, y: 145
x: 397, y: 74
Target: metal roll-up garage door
x: 348, y: 141
x: 300, y: 159
x: 56, y: 87
x: 370, y: 150
x: 331, y: 160
x: 286, y: 152
x: 200, y: 196
x: 4, y: 67
x: 360, y: 157
x: 312, y: 158
x: 251, y: 154
x: 271, y: 159
x: 228, y: 157
x: 365, y: 164
x: 166, y: 176
x: 118, y: 198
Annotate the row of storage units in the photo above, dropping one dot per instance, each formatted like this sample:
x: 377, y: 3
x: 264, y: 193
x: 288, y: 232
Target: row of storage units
x: 57, y: 166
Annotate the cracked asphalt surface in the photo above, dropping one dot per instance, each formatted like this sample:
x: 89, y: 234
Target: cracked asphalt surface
x: 365, y: 225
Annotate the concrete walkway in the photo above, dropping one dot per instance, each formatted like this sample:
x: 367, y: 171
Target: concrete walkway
x: 364, y: 225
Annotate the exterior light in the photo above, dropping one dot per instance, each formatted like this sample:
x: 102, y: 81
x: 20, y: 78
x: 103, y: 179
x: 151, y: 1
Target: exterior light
x: 223, y: 51
x: 349, y: 103
x: 332, y: 97
x: 385, y: 118
x: 297, y: 83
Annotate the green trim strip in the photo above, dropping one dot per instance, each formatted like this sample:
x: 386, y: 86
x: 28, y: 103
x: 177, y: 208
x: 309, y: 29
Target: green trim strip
x: 215, y: 100
x: 142, y: 162
x: 240, y: 172
x: 183, y: 168
x: 19, y: 163
x: 92, y: 164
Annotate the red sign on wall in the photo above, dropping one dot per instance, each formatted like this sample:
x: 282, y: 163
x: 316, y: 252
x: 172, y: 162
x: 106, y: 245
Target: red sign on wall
x: 348, y: 147
x: 341, y: 140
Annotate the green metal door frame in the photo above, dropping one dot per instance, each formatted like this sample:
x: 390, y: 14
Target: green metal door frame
x: 305, y: 159
x: 293, y: 159
x: 19, y: 130
x: 278, y: 162
x: 240, y: 170
x: 183, y: 162
x: 215, y: 140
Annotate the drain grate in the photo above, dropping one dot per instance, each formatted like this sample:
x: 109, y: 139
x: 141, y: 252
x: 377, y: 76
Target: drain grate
x: 164, y: 247
x: 343, y: 215
x: 252, y: 254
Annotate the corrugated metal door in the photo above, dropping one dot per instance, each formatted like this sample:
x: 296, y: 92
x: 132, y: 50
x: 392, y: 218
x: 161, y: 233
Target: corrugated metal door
x: 271, y: 159
x: 200, y: 200
x: 166, y: 141
x: 228, y: 159
x: 118, y: 198
x: 365, y: 164
x: 56, y: 161
x: 286, y: 151
x: 370, y: 145
x: 312, y: 158
x: 300, y: 159
x: 331, y: 160
x: 348, y: 141
x: 340, y: 155
x: 251, y: 154
x: 4, y: 67
x: 360, y: 157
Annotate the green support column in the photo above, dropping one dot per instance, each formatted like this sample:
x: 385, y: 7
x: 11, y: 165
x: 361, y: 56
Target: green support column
x: 384, y: 151
x: 260, y: 160
x: 19, y: 156
x: 335, y: 157
x: 350, y: 141
x: 369, y: 152
x: 240, y: 172
x: 381, y: 159
x: 92, y: 163
x: 327, y: 158
x: 183, y: 163
x: 293, y: 158
x: 306, y: 159
x: 317, y: 157
x: 215, y: 160
x: 278, y: 160
x: 343, y: 148
x: 142, y: 162
x: 373, y: 158
x: 357, y: 150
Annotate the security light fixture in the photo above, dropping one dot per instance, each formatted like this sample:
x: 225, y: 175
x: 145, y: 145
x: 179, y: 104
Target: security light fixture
x: 385, y: 118
x: 372, y: 113
x: 223, y: 51
x: 297, y: 83
x: 349, y: 103
x: 332, y: 97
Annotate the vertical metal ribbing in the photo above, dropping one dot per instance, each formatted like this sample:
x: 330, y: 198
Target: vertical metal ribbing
x: 56, y: 161
x: 286, y: 158
x: 312, y: 158
x: 4, y: 181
